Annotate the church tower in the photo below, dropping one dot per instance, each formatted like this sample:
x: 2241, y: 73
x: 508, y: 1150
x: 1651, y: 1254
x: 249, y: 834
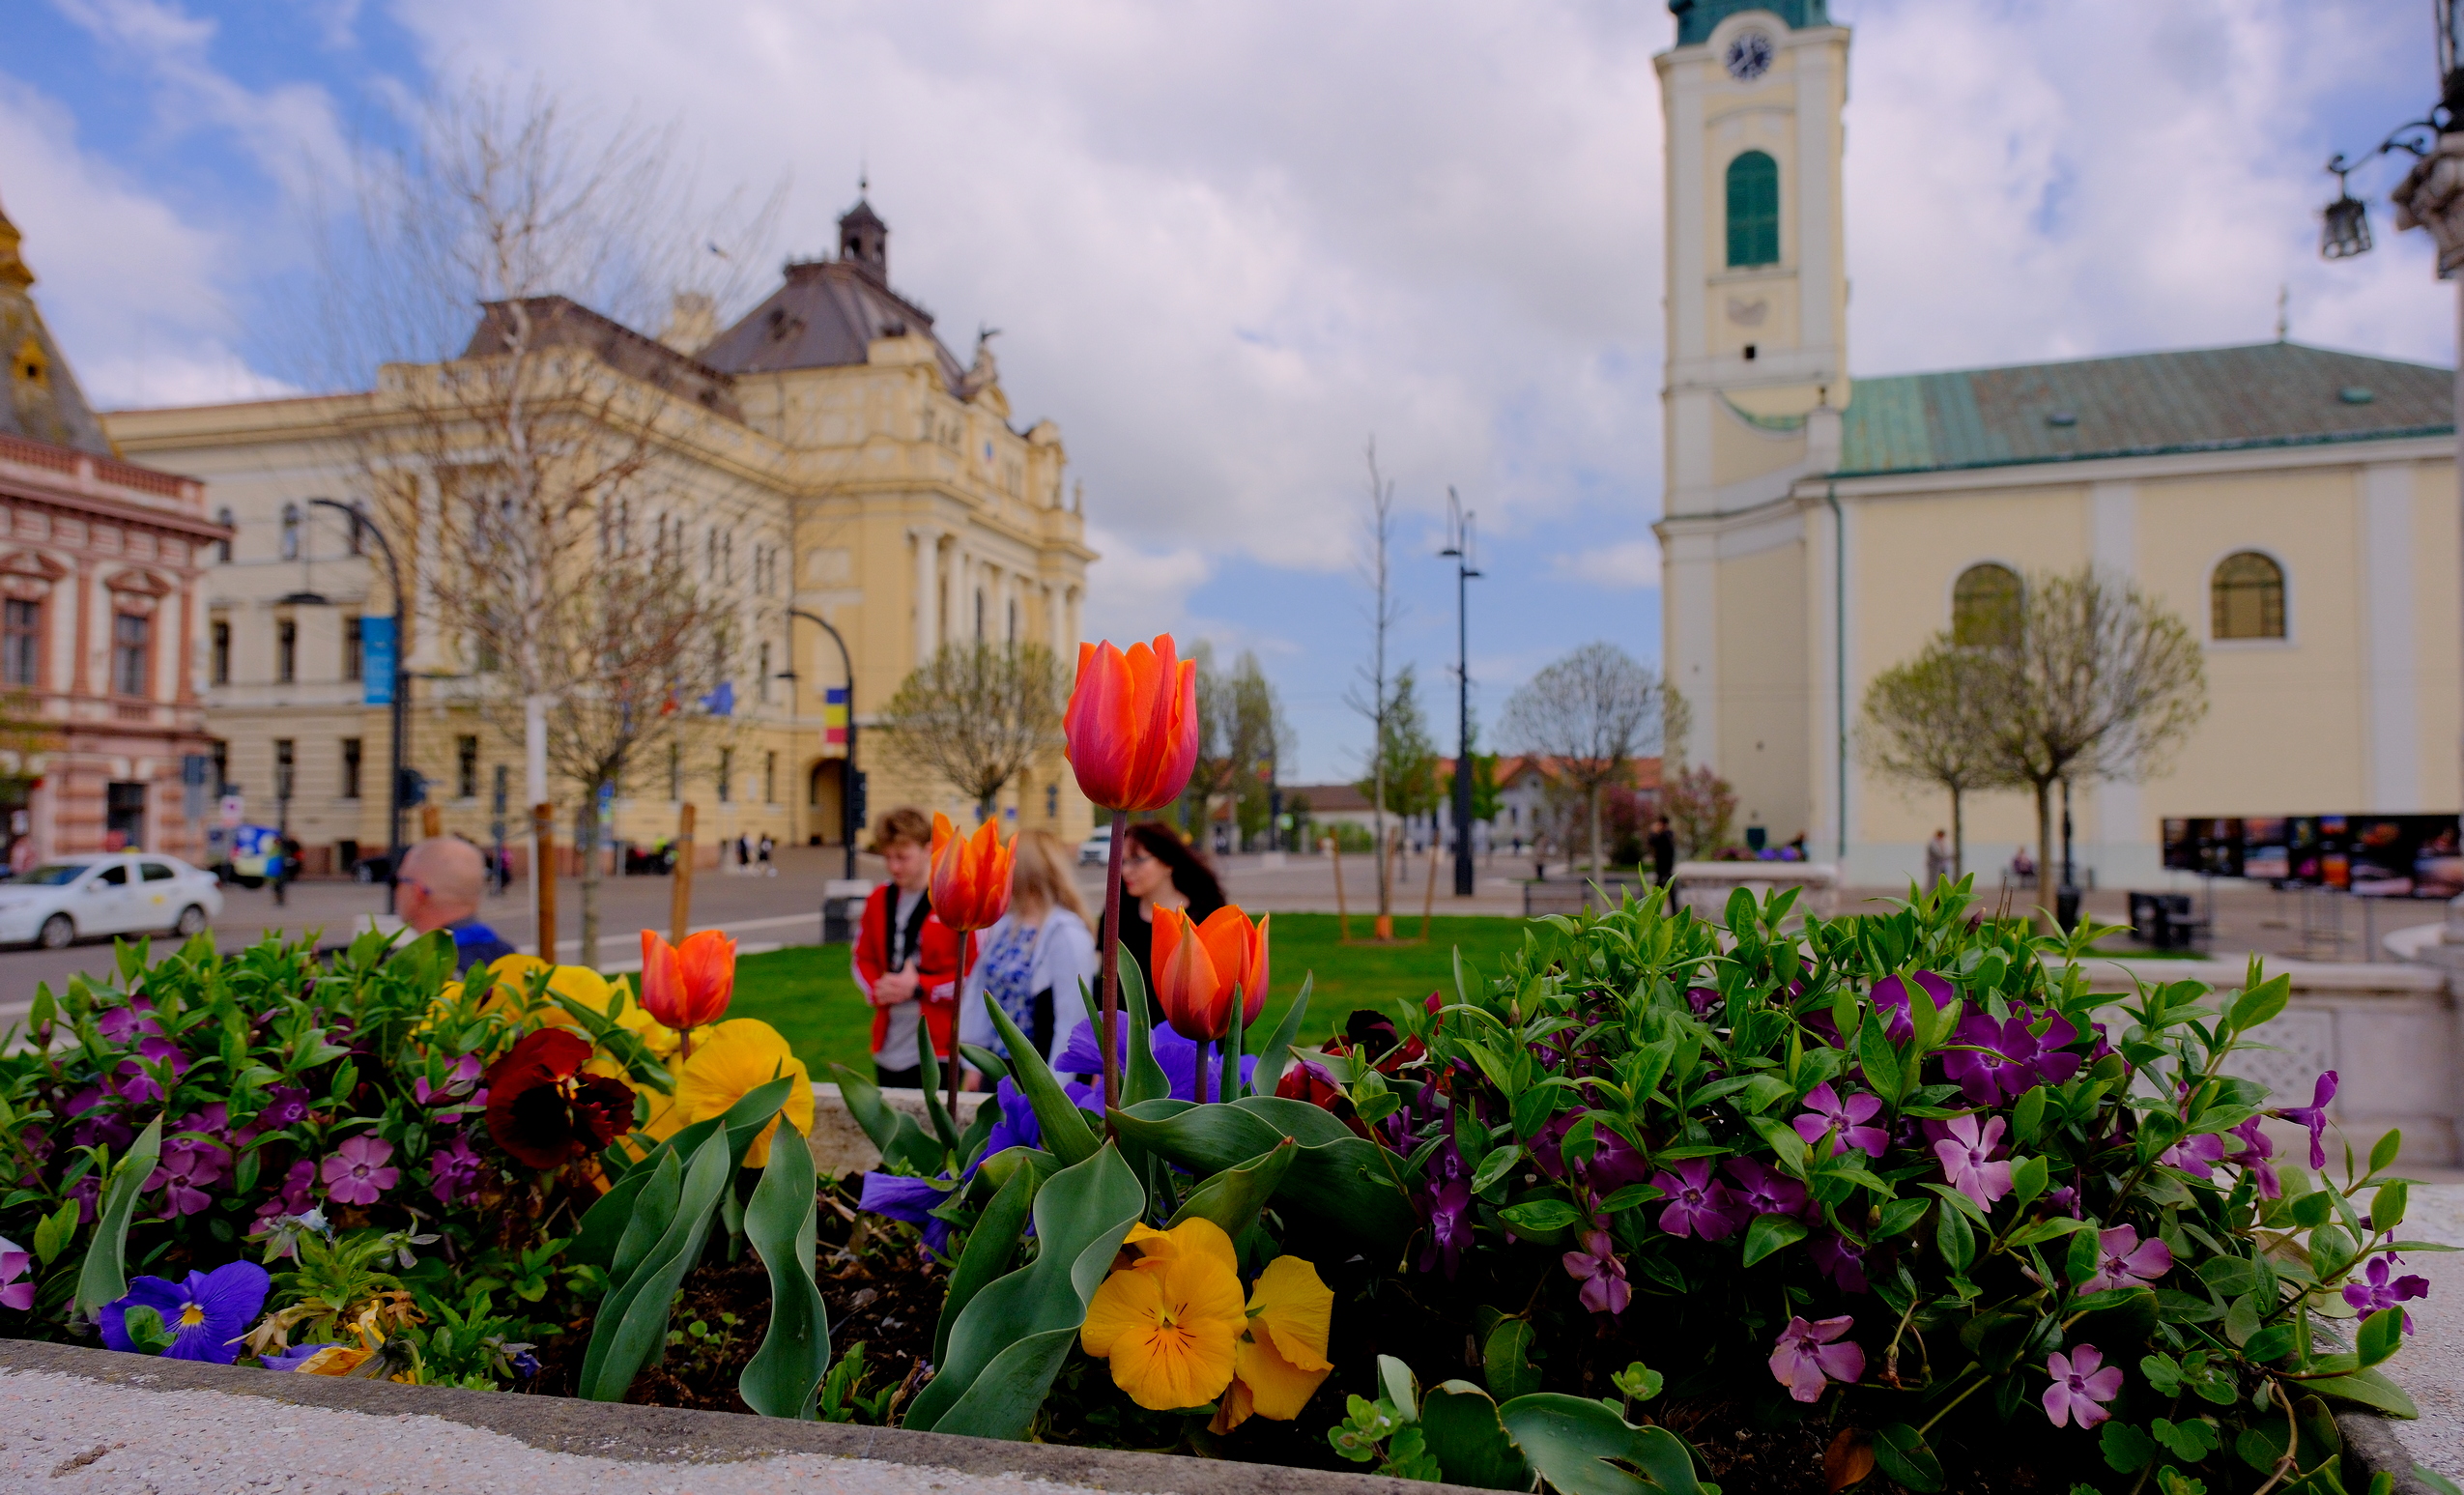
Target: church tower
x: 1756, y: 374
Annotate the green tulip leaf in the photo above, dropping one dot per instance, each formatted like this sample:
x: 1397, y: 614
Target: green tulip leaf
x: 783, y: 1377
x: 633, y: 1319
x: 895, y: 1135
x: 1013, y: 1338
x: 1344, y: 1181
x: 1469, y: 1439
x: 104, y: 1278
x: 991, y: 1246
x: 1233, y: 1198
x: 1571, y: 1439
x: 929, y: 1076
x: 1278, y: 1053
x: 1142, y: 1079
x: 1065, y: 1129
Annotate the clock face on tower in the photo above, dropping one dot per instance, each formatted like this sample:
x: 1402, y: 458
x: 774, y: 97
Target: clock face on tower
x: 1749, y: 56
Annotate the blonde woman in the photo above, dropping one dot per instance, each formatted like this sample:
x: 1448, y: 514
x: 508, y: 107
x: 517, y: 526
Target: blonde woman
x: 1032, y: 959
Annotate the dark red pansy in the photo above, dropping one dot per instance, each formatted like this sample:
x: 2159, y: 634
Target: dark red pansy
x: 544, y: 1111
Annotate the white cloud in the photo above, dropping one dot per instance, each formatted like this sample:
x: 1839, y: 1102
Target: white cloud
x: 1625, y: 566
x: 1135, y: 594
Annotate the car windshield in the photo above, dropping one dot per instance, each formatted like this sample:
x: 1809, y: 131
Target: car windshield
x: 51, y: 874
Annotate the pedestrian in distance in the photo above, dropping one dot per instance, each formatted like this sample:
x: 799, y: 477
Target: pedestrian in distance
x: 906, y: 958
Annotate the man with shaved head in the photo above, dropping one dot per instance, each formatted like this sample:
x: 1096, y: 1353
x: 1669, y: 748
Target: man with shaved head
x: 438, y: 887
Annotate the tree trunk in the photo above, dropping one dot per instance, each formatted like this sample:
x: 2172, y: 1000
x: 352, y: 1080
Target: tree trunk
x: 1959, y: 835
x: 585, y: 846
x: 2043, y: 846
x: 1594, y: 800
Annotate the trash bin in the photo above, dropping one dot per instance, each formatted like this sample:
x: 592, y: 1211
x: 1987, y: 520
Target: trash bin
x: 2066, y: 908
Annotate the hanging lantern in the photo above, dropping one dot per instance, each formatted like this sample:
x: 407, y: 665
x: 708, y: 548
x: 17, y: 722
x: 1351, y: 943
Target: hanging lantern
x: 2346, y: 228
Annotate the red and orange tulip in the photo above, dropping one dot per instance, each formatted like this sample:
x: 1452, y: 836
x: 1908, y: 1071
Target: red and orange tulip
x: 1133, y: 725
x: 687, y: 985
x: 1197, y: 966
x: 970, y: 885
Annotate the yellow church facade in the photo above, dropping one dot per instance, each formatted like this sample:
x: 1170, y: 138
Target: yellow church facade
x: 826, y: 454
x: 2296, y: 506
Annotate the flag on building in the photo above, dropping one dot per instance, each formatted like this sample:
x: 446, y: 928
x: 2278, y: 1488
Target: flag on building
x: 834, y: 716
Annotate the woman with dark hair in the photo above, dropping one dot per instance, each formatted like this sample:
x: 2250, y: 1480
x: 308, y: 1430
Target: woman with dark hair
x: 1159, y: 871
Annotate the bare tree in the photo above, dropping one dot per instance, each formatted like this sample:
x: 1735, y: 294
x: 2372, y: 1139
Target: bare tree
x: 1936, y: 721
x: 1263, y: 742
x: 977, y: 714
x: 1591, y: 714
x: 2105, y: 683
x: 523, y: 473
x: 1385, y: 610
x: 1701, y: 806
x: 1237, y: 730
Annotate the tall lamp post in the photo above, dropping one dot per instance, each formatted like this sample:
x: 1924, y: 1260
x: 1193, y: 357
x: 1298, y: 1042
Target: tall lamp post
x: 847, y: 779
x: 397, y: 688
x: 1459, y: 548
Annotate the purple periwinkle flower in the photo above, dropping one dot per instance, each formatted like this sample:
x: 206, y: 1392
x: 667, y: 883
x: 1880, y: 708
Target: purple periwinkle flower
x: 285, y: 1106
x: 292, y: 1197
x: 1969, y: 1159
x: 186, y: 1169
x: 2257, y: 1158
x: 17, y: 1290
x: 1891, y: 995
x: 2197, y: 1156
x: 2064, y: 1200
x: 2003, y: 1060
x: 2376, y: 1292
x: 2080, y: 1390
x: 1807, y: 1359
x: 118, y: 1023
x: 454, y: 1170
x: 1825, y: 1111
x: 2124, y: 1261
x: 1613, y: 1162
x: 1605, y: 1289
x: 205, y: 1315
x: 1703, y: 1001
x: 911, y: 1199
x: 1838, y: 1258
x: 459, y: 1081
x: 2314, y: 1116
x: 139, y: 1085
x: 86, y: 1190
x: 356, y: 1172
x: 1698, y: 1206
x: 1762, y: 1191
x: 1450, y: 1209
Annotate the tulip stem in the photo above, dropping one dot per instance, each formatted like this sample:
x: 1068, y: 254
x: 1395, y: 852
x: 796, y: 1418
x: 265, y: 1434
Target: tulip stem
x: 966, y: 947
x: 1111, y: 973
x: 1198, y: 1075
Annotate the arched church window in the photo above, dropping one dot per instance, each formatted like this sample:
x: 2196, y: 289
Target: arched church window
x: 1754, y: 209
x: 2247, y: 595
x: 1985, y: 605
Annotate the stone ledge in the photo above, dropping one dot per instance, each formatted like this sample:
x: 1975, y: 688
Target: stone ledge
x: 612, y: 1435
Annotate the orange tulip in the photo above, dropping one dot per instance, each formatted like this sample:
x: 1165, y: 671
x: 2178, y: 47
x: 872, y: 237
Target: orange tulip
x: 687, y: 985
x: 1133, y: 725
x: 1196, y: 966
x: 970, y: 885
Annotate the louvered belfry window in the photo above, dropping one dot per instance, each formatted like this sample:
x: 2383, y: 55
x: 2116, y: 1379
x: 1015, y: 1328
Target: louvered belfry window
x: 1754, y: 209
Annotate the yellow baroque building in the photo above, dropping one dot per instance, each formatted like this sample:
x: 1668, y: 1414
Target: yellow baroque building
x: 2297, y: 506
x: 827, y: 454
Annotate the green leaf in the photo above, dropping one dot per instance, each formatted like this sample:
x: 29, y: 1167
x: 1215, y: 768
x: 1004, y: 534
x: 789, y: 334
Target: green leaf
x: 2190, y: 1441
x: 992, y: 1245
x: 2380, y: 1336
x: 992, y: 1066
x: 898, y: 1137
x: 1401, y: 1388
x: 1470, y: 1440
x: 1956, y: 1240
x: 2028, y: 1116
x: 104, y: 1278
x: 1541, y: 1216
x: 633, y: 1319
x: 1881, y: 1061
x: 1900, y: 1215
x: 2261, y: 1446
x: 1012, y: 1339
x: 52, y: 1235
x: 783, y: 1377
x: 2388, y: 1204
x: 928, y: 1075
x: 1903, y: 1453
x: 143, y: 1324
x: 1768, y: 1233
x: 2028, y: 1178
x: 2126, y: 1448
x: 1571, y: 1439
x: 2260, y: 1003
x: 1229, y: 1078
x: 1499, y: 1162
x: 2369, y: 1388
x: 2274, y: 1342
x: 1233, y: 1198
x: 2383, y: 1152
x: 653, y: 1210
x: 1505, y: 1361
x: 1340, y: 1179
x: 1141, y: 1078
x: 2037, y: 1232
x: 1065, y: 1129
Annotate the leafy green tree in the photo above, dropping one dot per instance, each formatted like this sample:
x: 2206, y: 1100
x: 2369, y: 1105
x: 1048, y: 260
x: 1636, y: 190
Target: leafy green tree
x: 1934, y: 721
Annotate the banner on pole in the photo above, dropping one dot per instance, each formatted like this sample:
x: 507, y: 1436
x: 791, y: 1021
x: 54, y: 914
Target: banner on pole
x: 376, y: 661
x: 834, y: 716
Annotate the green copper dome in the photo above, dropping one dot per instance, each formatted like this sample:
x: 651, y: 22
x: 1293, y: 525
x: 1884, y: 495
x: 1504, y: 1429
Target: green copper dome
x: 1694, y: 18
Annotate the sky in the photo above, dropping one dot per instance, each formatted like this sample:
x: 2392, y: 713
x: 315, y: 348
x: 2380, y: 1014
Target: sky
x: 1229, y: 244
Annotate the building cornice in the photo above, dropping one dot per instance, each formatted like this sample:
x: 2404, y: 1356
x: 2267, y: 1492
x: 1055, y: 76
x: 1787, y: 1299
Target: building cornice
x: 2434, y: 445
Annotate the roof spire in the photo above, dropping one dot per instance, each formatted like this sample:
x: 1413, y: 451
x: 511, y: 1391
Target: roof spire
x: 864, y: 240
x: 13, y: 267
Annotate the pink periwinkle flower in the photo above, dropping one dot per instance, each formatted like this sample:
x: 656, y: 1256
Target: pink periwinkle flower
x: 1807, y: 1359
x: 356, y: 1172
x: 295, y: 1193
x: 1698, y: 1206
x: 17, y: 1290
x: 458, y: 1084
x: 1969, y: 1159
x: 1825, y: 1111
x: 2314, y: 1116
x: 1605, y: 1289
x: 2124, y: 1261
x: 2079, y: 1390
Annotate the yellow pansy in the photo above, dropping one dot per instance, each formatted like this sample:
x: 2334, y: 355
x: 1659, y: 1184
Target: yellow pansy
x: 1168, y: 1321
x: 731, y: 1060
x: 1280, y: 1361
x: 656, y: 1036
x: 509, y: 977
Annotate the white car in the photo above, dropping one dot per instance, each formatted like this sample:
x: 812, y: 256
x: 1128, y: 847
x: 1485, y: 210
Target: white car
x: 118, y: 893
x: 1096, y: 851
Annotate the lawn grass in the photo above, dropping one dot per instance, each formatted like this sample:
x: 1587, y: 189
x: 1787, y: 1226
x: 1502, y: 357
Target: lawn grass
x: 807, y: 994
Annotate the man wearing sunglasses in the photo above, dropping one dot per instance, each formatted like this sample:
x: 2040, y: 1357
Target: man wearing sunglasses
x: 438, y: 888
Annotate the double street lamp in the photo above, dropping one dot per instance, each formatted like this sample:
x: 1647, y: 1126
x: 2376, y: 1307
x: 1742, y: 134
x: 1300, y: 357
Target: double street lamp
x: 850, y: 781
x: 1459, y: 549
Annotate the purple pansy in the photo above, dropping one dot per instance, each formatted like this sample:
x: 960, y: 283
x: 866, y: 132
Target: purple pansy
x: 1605, y: 1289
x: 2314, y: 1116
x: 2197, y: 1156
x: 1016, y: 1126
x: 1762, y: 1192
x: 1175, y: 1055
x: 911, y: 1199
x: 2079, y: 1390
x: 2376, y: 1292
x: 1808, y: 1358
x: 17, y: 1290
x: 205, y: 1315
x: 295, y: 1357
x: 1697, y: 1206
x: 2124, y: 1261
x: 1838, y: 1258
x: 356, y: 1172
x: 1825, y: 1111
x: 1891, y: 995
x: 454, y: 1169
x: 1971, y: 1161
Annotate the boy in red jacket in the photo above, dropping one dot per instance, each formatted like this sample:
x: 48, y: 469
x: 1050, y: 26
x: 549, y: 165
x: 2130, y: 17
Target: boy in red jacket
x: 906, y: 959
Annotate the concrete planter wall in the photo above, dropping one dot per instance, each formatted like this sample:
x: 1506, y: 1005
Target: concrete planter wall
x: 1704, y: 886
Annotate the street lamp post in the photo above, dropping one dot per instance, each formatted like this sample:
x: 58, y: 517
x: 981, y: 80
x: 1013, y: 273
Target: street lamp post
x: 400, y: 691
x: 1459, y: 548
x: 847, y: 776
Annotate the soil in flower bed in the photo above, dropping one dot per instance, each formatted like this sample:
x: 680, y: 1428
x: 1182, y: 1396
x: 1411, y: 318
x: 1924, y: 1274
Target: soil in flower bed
x: 879, y: 1288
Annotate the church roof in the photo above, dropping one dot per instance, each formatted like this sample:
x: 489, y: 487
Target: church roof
x: 2210, y: 400
x: 42, y: 401
x: 823, y: 317
x: 556, y: 322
